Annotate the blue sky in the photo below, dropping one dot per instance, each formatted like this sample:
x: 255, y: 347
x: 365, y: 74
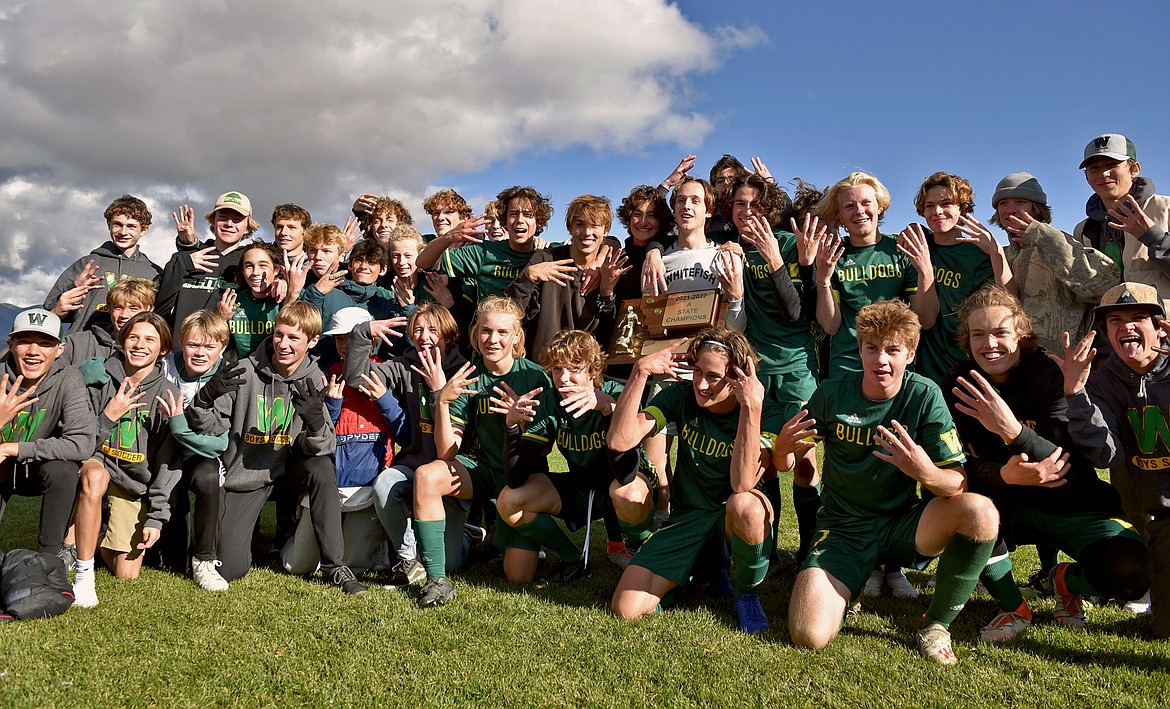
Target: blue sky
x: 178, y: 102
x: 904, y: 92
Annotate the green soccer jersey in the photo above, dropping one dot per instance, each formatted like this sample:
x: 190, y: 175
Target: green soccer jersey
x: 252, y: 322
x: 702, y: 474
x: 858, y: 483
x: 958, y: 271
x: 582, y: 440
x: 864, y: 275
x: 784, y: 346
x: 470, y: 411
x: 490, y: 266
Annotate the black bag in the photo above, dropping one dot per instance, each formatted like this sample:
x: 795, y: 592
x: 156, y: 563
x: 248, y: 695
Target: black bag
x: 33, y: 585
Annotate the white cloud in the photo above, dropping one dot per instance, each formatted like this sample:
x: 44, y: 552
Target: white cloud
x: 316, y: 102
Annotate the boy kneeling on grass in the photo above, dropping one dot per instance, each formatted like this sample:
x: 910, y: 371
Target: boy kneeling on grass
x: 368, y: 422
x: 534, y: 496
x: 729, y: 436
x: 886, y: 431
x: 273, y: 409
x: 136, y: 464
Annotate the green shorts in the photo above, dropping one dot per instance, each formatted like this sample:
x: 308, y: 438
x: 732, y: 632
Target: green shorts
x: 791, y: 390
x: 849, y: 548
x: 688, y: 536
x: 1070, y: 532
x: 486, y: 481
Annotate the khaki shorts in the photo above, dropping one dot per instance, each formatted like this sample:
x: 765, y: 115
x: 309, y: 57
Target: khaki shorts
x: 127, y: 518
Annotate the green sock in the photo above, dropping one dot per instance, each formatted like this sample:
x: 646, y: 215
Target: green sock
x: 1049, y: 556
x: 959, y: 567
x: 637, y: 534
x: 751, y: 563
x: 1076, y: 583
x: 806, y: 502
x: 997, y: 577
x: 545, y: 531
x: 432, y: 546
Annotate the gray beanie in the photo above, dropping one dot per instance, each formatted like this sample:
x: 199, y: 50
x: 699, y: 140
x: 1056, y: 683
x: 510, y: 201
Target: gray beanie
x: 1019, y: 185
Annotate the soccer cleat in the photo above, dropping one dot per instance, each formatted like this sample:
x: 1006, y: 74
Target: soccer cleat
x: 934, y: 644
x: 343, y: 578
x: 405, y: 573
x: 436, y: 592
x: 873, y: 585
x: 207, y: 576
x: 568, y: 571
x: 84, y: 591
x: 68, y: 556
x: 622, y: 558
x: 1070, y: 608
x: 1139, y: 607
x: 1004, y: 627
x: 1040, y: 581
x: 899, y: 585
x: 750, y: 614
x: 476, y: 536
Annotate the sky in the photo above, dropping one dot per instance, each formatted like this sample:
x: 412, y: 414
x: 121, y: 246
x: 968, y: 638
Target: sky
x: 316, y: 103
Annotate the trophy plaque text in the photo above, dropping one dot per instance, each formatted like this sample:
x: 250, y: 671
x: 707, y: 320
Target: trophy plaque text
x: 647, y: 324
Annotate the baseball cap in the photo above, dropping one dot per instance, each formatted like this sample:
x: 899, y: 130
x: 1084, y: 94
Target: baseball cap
x: 235, y: 201
x: 1111, y: 145
x: 37, y: 320
x: 344, y: 320
x: 1128, y: 295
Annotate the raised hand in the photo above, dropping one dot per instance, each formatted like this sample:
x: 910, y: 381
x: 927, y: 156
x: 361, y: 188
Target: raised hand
x: 809, y: 235
x: 516, y: 409
x: 403, y: 290
x: 830, y: 249
x: 228, y: 304
x: 335, y: 386
x: 761, y: 169
x: 653, y: 273
x: 295, y: 272
x: 185, y: 224
x: 351, y: 232
x: 613, y: 267
x: 902, y: 451
x: 729, y: 268
x: 205, y: 260
x: 676, y: 176
x: 436, y: 285
x: 469, y: 231
x: 746, y: 386
x: 12, y: 400
x: 125, y: 400
x: 912, y: 243
x: 224, y: 381
x: 978, y: 399
x: 385, y: 329
x: 170, y: 406
x: 578, y: 400
x: 664, y: 361
x: 794, y: 435
x: 559, y: 272
x: 71, y: 300
x: 372, y: 386
x: 457, y: 385
x: 1017, y: 224
x: 430, y: 369
x: 1077, y: 362
x: 1129, y: 217
x: 364, y: 204
x: 975, y: 233
x: 760, y: 235
x: 310, y: 405
x: 90, y: 276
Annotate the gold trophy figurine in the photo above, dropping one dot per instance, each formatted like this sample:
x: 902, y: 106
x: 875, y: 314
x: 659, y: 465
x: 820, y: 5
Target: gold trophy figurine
x: 628, y: 343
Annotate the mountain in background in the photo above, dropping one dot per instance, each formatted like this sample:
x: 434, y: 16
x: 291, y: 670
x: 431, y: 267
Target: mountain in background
x: 8, y: 313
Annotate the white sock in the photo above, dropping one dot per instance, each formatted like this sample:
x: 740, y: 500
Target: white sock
x: 83, y: 569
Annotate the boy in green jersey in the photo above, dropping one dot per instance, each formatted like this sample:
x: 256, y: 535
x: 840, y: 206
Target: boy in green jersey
x: 464, y: 403
x: 729, y: 436
x: 964, y: 255
x: 533, y: 495
x: 864, y: 268
x: 885, y: 432
x: 778, y: 306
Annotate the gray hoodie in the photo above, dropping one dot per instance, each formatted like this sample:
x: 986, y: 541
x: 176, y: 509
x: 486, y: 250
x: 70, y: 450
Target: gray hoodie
x: 113, y: 266
x: 60, y: 424
x: 261, y: 422
x: 138, y: 450
x: 1121, y: 417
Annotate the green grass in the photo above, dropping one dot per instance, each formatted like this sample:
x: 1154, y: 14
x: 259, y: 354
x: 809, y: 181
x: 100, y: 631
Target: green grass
x: 277, y: 639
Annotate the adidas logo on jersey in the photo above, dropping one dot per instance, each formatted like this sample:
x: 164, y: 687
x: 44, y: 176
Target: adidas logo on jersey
x: 853, y: 420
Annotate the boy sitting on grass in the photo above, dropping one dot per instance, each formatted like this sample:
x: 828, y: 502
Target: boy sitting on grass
x: 533, y: 496
x: 135, y: 465
x: 273, y: 409
x: 886, y: 431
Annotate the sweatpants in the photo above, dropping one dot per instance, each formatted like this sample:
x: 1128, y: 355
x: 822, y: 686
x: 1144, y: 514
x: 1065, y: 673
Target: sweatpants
x: 56, y: 482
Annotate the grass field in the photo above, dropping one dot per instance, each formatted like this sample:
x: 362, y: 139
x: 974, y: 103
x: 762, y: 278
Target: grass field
x: 277, y: 639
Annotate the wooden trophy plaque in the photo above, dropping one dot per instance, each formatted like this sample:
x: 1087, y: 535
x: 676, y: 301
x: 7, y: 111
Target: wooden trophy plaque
x: 648, y: 324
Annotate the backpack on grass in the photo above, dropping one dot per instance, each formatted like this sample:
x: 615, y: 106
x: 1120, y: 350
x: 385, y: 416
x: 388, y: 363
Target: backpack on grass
x: 33, y: 585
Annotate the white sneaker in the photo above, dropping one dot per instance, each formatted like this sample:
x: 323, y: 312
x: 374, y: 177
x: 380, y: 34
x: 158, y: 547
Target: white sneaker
x: 899, y: 585
x: 206, y: 575
x: 84, y: 591
x: 1139, y: 607
x: 873, y: 585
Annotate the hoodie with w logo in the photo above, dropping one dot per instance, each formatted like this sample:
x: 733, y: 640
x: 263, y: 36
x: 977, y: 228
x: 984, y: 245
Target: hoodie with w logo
x: 261, y: 422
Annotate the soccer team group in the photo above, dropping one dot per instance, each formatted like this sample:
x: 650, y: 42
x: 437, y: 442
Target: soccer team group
x: 398, y: 395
